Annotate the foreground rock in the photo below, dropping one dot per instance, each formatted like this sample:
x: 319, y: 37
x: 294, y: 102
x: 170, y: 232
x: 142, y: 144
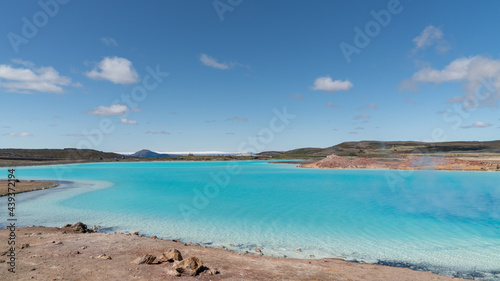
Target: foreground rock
x: 190, y: 266
x: 79, y: 227
x: 60, y: 262
x: 170, y: 256
x: 146, y: 259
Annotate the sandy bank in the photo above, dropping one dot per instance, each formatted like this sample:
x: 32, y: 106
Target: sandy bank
x: 25, y: 186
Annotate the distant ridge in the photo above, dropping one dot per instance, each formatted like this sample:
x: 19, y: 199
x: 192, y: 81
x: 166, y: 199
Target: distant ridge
x: 382, y: 148
x: 145, y: 153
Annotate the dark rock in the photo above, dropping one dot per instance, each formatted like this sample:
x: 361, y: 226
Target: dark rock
x: 78, y: 227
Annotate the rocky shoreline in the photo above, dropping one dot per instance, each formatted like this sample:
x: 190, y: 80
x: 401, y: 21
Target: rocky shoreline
x: 404, y: 163
x: 75, y: 252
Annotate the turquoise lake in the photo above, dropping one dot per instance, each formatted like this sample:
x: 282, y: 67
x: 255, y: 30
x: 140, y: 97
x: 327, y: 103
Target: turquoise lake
x: 447, y: 222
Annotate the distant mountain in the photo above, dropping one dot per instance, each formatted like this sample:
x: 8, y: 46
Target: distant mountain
x: 150, y: 154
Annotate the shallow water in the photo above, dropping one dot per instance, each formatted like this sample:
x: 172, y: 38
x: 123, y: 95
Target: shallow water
x: 447, y: 222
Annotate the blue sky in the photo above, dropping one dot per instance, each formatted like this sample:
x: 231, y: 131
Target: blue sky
x: 425, y: 71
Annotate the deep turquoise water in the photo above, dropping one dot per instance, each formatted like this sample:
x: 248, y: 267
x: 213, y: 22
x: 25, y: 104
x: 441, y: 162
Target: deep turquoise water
x: 447, y: 222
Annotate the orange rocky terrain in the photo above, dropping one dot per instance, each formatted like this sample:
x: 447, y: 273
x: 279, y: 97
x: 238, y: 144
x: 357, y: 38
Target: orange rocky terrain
x: 404, y: 163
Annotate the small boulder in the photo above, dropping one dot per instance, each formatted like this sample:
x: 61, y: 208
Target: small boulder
x: 257, y: 250
x: 24, y: 246
x: 146, y: 259
x: 299, y: 250
x: 154, y: 237
x: 136, y: 233
x: 173, y: 273
x: 79, y: 227
x: 190, y: 266
x: 170, y: 256
x: 213, y: 271
x: 104, y: 257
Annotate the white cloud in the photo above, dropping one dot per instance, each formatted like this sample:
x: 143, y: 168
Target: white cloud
x: 115, y: 109
x: 115, y: 69
x: 326, y: 84
x: 212, y: 62
x: 431, y: 35
x: 410, y: 101
x: 18, y: 134
x: 237, y: 118
x: 23, y: 80
x: 480, y: 75
x: 370, y: 106
x: 329, y: 104
x: 108, y: 41
x: 158, y: 133
x: 80, y: 135
x: 24, y: 63
x: 455, y: 99
x: 362, y: 116
x: 455, y: 71
x: 130, y: 122
x: 477, y: 124
x: 296, y: 96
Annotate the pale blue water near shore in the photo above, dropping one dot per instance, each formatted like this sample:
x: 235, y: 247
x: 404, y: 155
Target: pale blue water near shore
x: 447, y: 222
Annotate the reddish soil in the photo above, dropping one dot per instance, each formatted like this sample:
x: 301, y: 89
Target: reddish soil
x: 404, y: 163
